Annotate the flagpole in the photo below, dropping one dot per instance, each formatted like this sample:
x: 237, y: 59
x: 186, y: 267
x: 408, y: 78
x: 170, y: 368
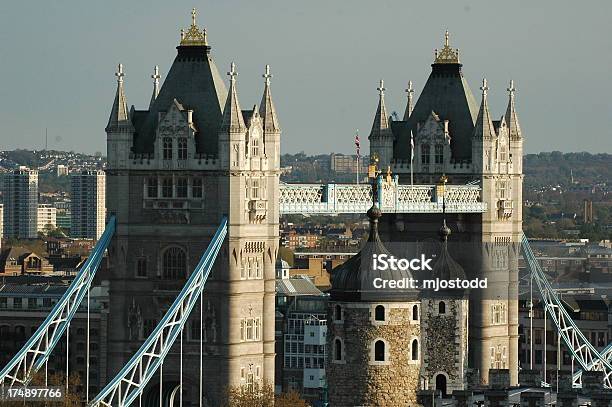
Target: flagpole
x: 357, y: 145
x: 411, y: 159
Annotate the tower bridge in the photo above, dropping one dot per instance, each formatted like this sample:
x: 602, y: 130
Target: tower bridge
x: 194, y: 200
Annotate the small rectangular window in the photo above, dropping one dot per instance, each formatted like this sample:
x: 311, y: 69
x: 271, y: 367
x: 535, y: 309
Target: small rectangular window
x: 167, y: 188
x: 425, y: 154
x: 182, y: 149
x: 439, y: 154
x: 196, y: 188
x: 152, y: 187
x: 181, y: 187
x: 167, y: 148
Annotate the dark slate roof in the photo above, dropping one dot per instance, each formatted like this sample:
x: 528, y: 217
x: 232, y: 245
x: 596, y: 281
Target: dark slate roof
x: 352, y: 280
x: 448, y: 94
x: 194, y: 81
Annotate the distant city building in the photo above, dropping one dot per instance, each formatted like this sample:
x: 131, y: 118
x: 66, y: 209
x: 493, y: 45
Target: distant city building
x: 21, y: 203
x: 88, y: 204
x: 46, y: 217
x: 301, y: 350
x: 1, y: 223
x: 24, y: 306
x: 63, y: 215
x: 341, y: 163
x: 591, y: 314
x: 16, y: 261
x: 62, y: 170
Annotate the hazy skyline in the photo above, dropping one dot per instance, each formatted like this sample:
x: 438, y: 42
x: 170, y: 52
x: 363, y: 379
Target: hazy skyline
x: 58, y: 63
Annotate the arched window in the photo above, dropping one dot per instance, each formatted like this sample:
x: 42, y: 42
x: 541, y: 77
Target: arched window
x: 379, y: 313
x: 442, y: 307
x: 174, y: 263
x: 379, y: 351
x: 338, y: 312
x: 415, y: 312
x: 337, y: 349
x: 414, y: 351
x: 425, y: 154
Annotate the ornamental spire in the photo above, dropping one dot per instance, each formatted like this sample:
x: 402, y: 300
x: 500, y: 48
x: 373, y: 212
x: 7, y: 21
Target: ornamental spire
x: 266, y: 108
x: 120, y: 116
x: 381, y: 120
x: 446, y: 55
x: 155, y: 76
x: 484, y: 125
x: 514, y: 129
x: 409, y: 105
x: 233, y: 121
x: 193, y: 36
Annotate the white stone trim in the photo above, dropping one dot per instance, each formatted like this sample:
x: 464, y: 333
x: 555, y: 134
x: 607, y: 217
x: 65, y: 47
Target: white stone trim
x: 373, y: 320
x: 387, y: 360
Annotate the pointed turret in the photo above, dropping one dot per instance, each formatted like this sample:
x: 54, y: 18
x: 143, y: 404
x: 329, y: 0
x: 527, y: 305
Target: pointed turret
x: 381, y: 120
x: 266, y: 108
x: 155, y: 76
x: 514, y: 129
x: 119, y: 119
x: 484, y: 129
x: 381, y: 138
x: 233, y: 121
x: 409, y: 104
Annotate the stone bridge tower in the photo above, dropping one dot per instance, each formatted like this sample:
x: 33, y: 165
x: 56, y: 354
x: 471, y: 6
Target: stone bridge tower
x: 174, y: 170
x: 446, y: 133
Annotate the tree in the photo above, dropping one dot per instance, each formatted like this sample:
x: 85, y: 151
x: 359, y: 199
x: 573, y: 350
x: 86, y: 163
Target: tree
x: 291, y: 399
x: 262, y: 396
x: 70, y: 398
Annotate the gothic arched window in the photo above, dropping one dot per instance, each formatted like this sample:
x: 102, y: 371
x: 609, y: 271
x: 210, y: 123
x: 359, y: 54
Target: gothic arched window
x: 174, y: 263
x: 141, y: 267
x: 379, y: 313
x: 415, y: 312
x: 337, y: 349
x: 425, y: 149
x: 442, y: 307
x: 379, y: 351
x: 414, y: 351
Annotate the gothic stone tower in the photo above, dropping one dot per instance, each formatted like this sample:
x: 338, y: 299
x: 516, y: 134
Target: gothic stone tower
x: 174, y: 170
x: 447, y: 133
x: 373, y: 334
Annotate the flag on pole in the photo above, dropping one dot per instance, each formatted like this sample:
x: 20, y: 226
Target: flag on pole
x: 411, y: 147
x: 357, y: 144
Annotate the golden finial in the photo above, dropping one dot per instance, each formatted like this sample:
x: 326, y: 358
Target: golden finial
x: 447, y: 55
x: 193, y: 36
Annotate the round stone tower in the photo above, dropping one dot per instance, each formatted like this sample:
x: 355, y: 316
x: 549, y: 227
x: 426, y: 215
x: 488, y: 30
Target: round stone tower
x: 373, y: 333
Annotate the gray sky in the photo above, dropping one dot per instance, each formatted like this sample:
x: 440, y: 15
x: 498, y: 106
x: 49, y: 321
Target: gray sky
x: 57, y: 60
